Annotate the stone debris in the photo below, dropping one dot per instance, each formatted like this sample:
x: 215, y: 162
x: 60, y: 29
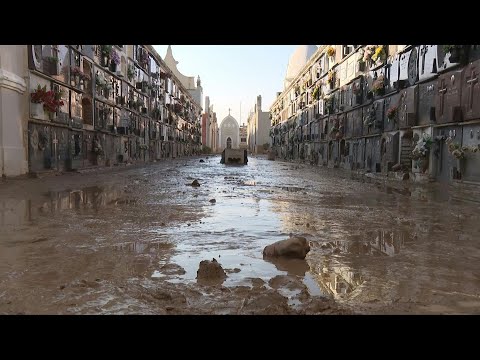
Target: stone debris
x: 210, y: 271
x: 295, y: 247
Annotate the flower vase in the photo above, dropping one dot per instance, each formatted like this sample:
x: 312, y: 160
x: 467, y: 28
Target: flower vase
x: 36, y: 110
x: 51, y: 68
x: 76, y: 80
x: 460, y: 166
x: 51, y: 115
x: 104, y: 61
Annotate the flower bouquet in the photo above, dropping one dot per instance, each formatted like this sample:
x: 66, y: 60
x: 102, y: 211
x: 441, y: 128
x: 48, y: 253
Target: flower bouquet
x: 378, y: 86
x: 37, y: 98
x: 455, y: 149
x: 422, y: 148
x: 379, y: 55
x: 114, y: 61
x: 392, y: 113
x: 131, y: 72
x: 52, y: 102
x: 331, y: 51
x: 331, y: 79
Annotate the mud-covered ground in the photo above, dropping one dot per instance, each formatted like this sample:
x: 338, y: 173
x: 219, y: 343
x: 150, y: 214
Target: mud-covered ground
x: 130, y: 240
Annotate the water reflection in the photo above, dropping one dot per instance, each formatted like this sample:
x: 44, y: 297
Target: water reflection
x: 90, y: 197
x: 335, y: 276
x: 296, y: 267
x: 383, y: 242
x: 140, y: 247
x: 340, y: 281
x: 14, y: 212
x: 337, y: 273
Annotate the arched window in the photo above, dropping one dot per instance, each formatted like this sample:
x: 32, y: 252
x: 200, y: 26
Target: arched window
x: 229, y: 143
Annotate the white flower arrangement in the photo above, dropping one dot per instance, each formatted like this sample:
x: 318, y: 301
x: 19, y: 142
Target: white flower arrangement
x: 373, y: 53
x: 460, y: 152
x: 422, y: 147
x: 368, y: 52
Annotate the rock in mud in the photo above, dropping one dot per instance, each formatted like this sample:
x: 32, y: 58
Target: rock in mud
x: 213, y: 201
x: 195, y: 183
x: 286, y: 281
x: 172, y: 269
x: 39, y: 240
x: 211, y: 271
x: 295, y: 247
x: 201, y: 160
x: 264, y: 302
x: 162, y: 295
x: 236, y: 270
x: 257, y: 282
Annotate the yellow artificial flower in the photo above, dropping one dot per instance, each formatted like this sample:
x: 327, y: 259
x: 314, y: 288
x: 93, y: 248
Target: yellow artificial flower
x: 378, y: 52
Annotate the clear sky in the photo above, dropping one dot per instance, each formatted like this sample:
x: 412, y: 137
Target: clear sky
x: 234, y: 74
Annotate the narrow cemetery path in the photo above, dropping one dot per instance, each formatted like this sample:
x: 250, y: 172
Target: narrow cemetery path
x: 130, y: 241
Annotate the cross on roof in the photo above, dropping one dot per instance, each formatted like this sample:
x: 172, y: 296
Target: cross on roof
x: 228, y: 111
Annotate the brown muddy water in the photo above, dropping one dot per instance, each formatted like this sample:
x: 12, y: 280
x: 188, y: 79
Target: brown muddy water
x: 129, y: 241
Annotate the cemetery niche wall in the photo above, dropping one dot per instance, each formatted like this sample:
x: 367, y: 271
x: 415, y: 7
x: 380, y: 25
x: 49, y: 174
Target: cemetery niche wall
x: 373, y: 103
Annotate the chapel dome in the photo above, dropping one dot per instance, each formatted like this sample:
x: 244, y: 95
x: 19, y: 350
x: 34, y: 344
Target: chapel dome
x: 227, y: 120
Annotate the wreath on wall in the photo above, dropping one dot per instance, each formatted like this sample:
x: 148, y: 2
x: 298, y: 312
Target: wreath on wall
x: 34, y: 139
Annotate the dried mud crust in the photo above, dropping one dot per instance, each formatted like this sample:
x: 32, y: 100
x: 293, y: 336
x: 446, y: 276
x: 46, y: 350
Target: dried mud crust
x: 167, y: 298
